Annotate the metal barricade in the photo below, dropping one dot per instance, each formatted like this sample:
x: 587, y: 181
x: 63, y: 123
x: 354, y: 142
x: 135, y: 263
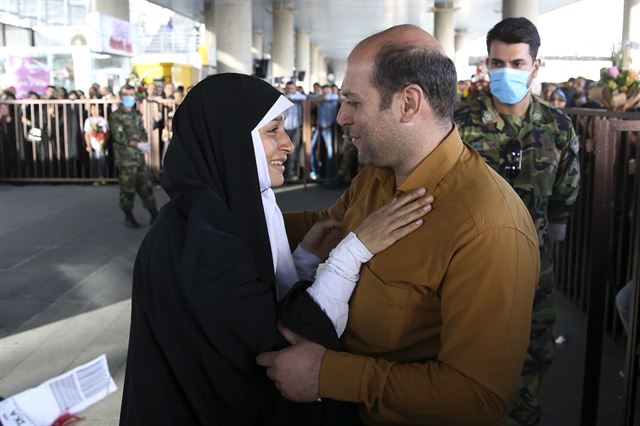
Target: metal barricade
x: 602, y: 249
x: 45, y: 140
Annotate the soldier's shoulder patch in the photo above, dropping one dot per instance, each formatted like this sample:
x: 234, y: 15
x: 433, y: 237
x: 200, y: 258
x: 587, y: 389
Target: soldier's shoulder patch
x: 575, y: 144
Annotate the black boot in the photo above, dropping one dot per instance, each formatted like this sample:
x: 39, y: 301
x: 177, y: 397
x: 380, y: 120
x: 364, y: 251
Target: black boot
x: 130, y: 221
x: 154, y: 214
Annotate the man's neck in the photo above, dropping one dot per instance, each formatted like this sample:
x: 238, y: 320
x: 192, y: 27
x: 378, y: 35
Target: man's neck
x: 422, y: 151
x: 519, y: 109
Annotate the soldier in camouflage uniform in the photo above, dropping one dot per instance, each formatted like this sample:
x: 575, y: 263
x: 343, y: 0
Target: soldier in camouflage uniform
x: 535, y: 148
x: 129, y: 143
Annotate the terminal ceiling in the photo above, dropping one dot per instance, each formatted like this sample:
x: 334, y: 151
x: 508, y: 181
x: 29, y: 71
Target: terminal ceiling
x: 337, y: 25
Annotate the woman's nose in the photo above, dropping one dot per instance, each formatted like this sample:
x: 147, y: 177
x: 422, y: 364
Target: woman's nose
x: 286, y: 145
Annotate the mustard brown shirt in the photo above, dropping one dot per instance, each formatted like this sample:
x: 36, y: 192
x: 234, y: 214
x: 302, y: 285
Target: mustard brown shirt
x: 439, y: 322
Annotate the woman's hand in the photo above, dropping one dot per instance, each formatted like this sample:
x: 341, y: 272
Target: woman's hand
x: 393, y: 221
x: 322, y: 238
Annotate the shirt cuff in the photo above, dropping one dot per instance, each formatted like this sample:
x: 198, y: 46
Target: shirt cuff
x: 306, y: 263
x: 335, y: 282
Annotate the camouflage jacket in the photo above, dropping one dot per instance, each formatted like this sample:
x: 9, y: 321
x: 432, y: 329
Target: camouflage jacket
x: 126, y: 126
x: 549, y: 176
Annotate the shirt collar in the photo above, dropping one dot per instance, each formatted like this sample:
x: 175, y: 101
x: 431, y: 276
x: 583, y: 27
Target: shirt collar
x: 430, y: 171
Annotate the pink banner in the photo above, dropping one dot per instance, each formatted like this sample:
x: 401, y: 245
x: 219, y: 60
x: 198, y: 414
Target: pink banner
x: 28, y: 75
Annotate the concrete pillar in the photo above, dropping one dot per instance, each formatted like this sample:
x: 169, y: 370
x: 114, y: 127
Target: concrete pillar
x: 257, y: 45
x: 283, y: 48
x: 314, y: 64
x: 460, y: 41
x: 529, y: 9
x: 443, y: 28
x: 417, y: 13
x: 461, y: 60
x: 339, y: 68
x: 303, y: 55
x: 322, y: 69
x: 631, y: 33
x: 400, y: 15
x: 210, y: 33
x: 233, y: 35
x: 117, y: 9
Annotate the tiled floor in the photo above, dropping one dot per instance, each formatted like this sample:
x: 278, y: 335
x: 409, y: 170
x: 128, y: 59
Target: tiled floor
x: 65, y: 280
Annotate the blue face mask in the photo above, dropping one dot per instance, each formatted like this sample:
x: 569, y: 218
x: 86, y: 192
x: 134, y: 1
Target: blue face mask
x: 508, y: 85
x: 128, y: 101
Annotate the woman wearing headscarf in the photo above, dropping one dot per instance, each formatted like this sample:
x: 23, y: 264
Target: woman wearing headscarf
x: 211, y: 269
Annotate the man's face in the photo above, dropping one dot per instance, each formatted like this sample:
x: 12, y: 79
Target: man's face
x: 557, y: 100
x: 277, y: 146
x: 516, y: 56
x: 4, y: 109
x: 369, y: 128
x: 127, y: 92
x: 290, y: 89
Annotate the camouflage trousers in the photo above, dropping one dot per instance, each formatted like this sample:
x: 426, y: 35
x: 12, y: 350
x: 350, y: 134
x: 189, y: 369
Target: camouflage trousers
x: 135, y: 177
x: 525, y: 406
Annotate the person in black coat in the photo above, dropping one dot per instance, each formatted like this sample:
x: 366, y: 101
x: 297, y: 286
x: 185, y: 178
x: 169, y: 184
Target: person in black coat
x: 209, y: 274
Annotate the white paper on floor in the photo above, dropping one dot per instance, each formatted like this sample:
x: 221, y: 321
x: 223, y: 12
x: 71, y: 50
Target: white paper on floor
x: 66, y: 394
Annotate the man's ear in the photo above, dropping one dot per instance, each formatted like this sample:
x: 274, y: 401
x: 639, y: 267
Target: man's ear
x: 412, y: 101
x: 536, y: 67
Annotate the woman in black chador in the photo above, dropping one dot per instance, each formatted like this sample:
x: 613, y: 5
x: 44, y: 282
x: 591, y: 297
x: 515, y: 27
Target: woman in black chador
x: 210, y: 272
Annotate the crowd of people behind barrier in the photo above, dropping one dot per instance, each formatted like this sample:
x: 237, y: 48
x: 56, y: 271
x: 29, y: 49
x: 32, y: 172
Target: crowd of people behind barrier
x: 62, y: 134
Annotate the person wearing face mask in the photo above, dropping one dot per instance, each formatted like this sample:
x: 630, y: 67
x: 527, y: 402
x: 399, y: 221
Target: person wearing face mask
x: 534, y: 147
x: 130, y: 145
x: 210, y: 272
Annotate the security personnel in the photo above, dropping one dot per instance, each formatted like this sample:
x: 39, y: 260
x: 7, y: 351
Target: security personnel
x: 130, y: 144
x: 535, y: 148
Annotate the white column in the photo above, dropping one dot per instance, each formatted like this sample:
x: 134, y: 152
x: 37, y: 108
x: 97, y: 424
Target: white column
x: 117, y: 9
x: 630, y: 33
x: 443, y: 27
x: 303, y: 55
x: 339, y: 68
x: 257, y: 44
x: 210, y: 33
x: 417, y: 13
x: 460, y: 42
x: 314, y: 64
x: 283, y: 41
x: 233, y: 35
x: 529, y: 9
x: 322, y: 69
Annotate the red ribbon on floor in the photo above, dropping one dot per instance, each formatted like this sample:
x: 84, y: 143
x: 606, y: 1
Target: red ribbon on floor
x: 66, y: 419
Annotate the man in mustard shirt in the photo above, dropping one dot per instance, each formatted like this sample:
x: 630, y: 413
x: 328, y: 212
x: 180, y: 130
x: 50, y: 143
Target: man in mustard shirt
x: 439, y: 322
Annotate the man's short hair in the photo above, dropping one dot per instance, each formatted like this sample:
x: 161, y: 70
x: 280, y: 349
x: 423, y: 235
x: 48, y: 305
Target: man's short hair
x: 396, y: 66
x: 516, y: 30
x: 125, y: 87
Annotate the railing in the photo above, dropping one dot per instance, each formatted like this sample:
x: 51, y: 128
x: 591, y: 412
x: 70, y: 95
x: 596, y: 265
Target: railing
x: 173, y: 42
x: 602, y: 249
x: 59, y: 154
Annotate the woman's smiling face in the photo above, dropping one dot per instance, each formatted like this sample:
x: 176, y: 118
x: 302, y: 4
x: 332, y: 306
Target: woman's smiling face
x: 277, y: 146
